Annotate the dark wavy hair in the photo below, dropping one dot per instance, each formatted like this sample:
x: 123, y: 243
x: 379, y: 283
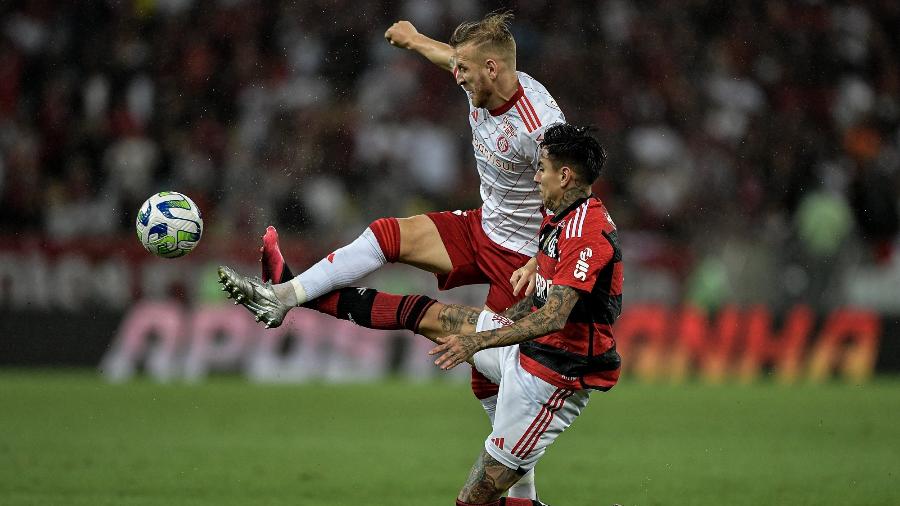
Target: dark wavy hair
x: 574, y: 146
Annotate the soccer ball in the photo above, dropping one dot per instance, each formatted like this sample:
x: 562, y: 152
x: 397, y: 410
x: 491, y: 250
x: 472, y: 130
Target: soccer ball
x: 169, y: 224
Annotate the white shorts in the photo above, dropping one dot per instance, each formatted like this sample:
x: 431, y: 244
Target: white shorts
x: 530, y: 412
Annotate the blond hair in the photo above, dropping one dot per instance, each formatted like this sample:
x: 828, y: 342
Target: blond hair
x: 491, y: 33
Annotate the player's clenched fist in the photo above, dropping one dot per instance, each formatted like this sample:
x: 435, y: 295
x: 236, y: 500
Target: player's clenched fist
x: 401, y: 34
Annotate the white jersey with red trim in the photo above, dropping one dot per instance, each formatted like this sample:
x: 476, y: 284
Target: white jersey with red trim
x: 506, y: 143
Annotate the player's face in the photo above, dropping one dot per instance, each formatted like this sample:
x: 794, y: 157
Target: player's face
x: 473, y: 74
x: 549, y: 180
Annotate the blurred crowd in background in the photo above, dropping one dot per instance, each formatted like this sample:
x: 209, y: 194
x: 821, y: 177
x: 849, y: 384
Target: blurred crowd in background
x: 755, y: 145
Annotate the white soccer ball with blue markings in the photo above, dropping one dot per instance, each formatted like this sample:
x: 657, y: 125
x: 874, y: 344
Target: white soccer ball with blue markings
x: 169, y: 224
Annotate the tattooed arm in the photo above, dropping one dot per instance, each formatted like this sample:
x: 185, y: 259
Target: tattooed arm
x: 459, y: 348
x: 520, y: 309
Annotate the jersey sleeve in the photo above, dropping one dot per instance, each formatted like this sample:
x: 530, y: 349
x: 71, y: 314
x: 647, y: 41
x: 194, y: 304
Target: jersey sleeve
x: 584, y: 251
x: 548, y: 114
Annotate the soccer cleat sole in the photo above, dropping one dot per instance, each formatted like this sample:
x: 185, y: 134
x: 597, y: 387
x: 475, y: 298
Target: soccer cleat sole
x: 258, y: 297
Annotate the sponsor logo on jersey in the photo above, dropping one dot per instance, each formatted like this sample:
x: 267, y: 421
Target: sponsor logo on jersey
x: 508, y: 128
x: 502, y: 320
x: 581, y: 266
x: 609, y: 218
x: 502, y: 144
x: 551, y: 240
x: 491, y: 157
x: 475, y: 115
x: 541, y: 286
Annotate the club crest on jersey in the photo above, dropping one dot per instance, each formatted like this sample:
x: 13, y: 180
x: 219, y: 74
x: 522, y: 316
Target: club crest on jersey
x: 502, y: 144
x: 550, y: 243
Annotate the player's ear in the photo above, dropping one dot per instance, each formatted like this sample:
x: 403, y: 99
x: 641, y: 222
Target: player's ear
x: 566, y: 175
x: 492, y: 67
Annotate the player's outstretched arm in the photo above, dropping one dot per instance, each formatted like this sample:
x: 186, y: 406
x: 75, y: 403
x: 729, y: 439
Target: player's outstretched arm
x: 459, y: 348
x: 520, y: 309
x: 404, y: 34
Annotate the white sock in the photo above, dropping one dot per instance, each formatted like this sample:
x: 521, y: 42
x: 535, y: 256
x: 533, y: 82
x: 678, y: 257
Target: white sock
x: 524, y: 488
x: 338, y: 270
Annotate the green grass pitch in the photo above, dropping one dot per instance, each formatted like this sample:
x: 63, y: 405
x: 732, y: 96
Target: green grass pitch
x: 70, y: 438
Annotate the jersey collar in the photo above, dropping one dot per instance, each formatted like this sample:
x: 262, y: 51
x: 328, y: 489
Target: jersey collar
x: 562, y: 214
x: 497, y: 111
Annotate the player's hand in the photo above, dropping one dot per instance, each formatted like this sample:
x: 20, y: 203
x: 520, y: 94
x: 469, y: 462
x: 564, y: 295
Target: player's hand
x: 523, y: 277
x: 401, y: 34
x: 456, y: 349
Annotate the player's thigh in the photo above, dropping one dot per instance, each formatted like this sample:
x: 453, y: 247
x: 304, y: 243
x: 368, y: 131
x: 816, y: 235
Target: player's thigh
x: 421, y: 245
x: 530, y: 415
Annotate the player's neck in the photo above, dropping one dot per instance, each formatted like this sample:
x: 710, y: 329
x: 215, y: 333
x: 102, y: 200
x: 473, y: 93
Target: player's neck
x: 570, y: 196
x: 507, y: 86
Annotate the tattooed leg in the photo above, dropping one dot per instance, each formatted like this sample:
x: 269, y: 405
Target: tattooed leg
x: 487, y: 481
x: 442, y: 320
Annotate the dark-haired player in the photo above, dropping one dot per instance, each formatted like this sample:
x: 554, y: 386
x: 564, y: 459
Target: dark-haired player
x: 546, y: 353
x: 508, y: 113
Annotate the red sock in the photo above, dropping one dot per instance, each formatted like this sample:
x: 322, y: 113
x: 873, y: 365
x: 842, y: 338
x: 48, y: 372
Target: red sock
x: 370, y: 308
x: 515, y: 501
x: 504, y: 501
x: 387, y: 231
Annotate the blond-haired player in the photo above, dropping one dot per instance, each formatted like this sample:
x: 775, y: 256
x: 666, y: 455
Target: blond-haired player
x: 508, y: 113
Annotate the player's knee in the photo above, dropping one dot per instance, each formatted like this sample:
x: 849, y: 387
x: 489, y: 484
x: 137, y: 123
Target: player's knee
x: 413, y: 229
x: 387, y: 232
x: 415, y: 236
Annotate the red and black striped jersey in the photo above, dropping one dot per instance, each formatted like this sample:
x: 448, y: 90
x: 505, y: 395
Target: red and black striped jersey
x: 579, y: 248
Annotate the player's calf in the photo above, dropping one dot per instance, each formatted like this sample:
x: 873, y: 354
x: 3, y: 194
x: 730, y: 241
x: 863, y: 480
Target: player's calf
x: 488, y: 481
x: 373, y: 309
